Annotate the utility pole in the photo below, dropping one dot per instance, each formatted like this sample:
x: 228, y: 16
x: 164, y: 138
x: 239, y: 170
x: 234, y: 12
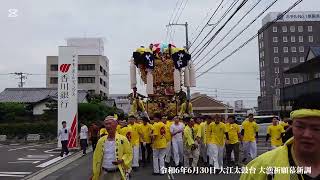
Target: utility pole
x: 187, y: 47
x: 22, y: 76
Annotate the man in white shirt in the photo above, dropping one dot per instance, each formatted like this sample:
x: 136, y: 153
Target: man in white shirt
x: 83, y: 137
x: 113, y: 155
x: 63, y: 134
x: 176, y: 131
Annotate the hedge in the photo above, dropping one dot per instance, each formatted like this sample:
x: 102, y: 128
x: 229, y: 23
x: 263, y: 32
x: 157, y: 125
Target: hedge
x: 22, y: 129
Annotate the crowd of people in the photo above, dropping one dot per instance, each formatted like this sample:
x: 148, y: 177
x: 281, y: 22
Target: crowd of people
x: 121, y: 147
x: 174, y: 141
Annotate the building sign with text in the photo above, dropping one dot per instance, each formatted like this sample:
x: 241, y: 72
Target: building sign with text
x: 68, y: 92
x: 293, y: 16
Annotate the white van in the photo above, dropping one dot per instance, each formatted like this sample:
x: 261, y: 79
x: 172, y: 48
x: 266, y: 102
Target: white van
x: 264, y: 122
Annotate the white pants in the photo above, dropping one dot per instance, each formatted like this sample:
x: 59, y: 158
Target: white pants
x: 158, y: 160
x: 203, y: 152
x: 135, y: 159
x: 215, y: 153
x: 168, y: 152
x: 249, y: 149
x: 194, y: 155
x: 177, y: 147
x: 140, y: 153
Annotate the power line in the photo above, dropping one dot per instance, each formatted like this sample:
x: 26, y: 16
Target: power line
x: 206, y: 23
x: 245, y: 15
x: 216, y: 24
x: 169, y: 35
x: 253, y: 37
x: 184, y: 7
x: 236, y: 36
x: 201, y: 87
x: 220, y: 29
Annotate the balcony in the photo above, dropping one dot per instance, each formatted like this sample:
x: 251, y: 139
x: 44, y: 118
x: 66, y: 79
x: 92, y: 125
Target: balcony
x: 291, y: 93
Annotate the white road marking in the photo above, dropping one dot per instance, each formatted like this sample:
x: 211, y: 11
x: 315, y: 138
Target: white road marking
x: 52, y: 151
x: 14, y: 144
x: 45, y: 164
x: 35, y: 162
x: 15, y: 173
x: 32, y: 149
x: 24, y: 147
x: 11, y: 175
x: 29, y: 159
x: 40, y: 156
x: 20, y: 162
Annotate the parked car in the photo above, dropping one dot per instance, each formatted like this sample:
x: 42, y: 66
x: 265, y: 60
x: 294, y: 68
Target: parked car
x: 264, y: 122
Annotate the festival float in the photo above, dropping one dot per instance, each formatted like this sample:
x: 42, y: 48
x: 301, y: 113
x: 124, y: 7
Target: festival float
x: 164, y: 69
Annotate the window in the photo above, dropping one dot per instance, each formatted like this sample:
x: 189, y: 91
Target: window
x: 104, y: 84
x: 286, y: 60
x: 278, y: 92
x: 300, y: 38
x: 91, y: 91
x: 293, y: 49
x: 301, y: 59
x: 285, y: 68
x: 285, y: 39
x: 285, y: 49
x: 262, y: 73
x: 284, y: 29
x: 275, y: 29
x: 276, y: 59
x: 309, y: 28
x: 263, y: 83
x: 310, y: 38
x: 54, y: 67
x: 101, y: 69
x: 104, y: 72
x: 301, y: 49
x: 101, y: 81
x: 262, y: 44
x: 262, y: 64
x: 300, y: 28
x: 293, y: 39
x: 275, y: 39
x: 54, y: 80
x: 276, y: 81
x: 85, y: 80
x: 287, y: 80
x: 276, y: 70
x: 295, y: 80
x: 292, y: 28
x: 294, y: 59
x: 86, y: 67
x: 275, y: 49
x: 262, y: 53
x: 263, y: 93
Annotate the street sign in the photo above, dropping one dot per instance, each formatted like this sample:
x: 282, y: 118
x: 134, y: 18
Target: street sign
x: 33, y: 137
x: 3, y: 138
x: 68, y: 92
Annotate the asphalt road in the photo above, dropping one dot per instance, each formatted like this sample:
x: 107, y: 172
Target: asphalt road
x: 82, y: 168
x: 20, y: 160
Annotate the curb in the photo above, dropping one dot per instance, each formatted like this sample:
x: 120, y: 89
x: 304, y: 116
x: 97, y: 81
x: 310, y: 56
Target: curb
x: 55, y: 167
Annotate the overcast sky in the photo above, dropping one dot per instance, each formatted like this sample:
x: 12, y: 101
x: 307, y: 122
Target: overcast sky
x: 43, y: 25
